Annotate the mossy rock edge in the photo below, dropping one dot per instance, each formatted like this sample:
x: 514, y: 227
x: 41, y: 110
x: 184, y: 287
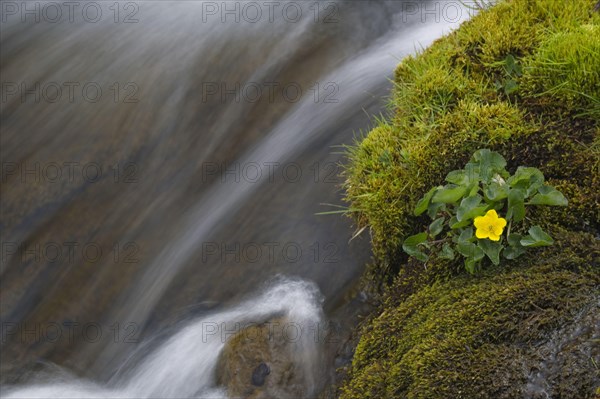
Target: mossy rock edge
x: 526, y: 329
x: 510, y: 332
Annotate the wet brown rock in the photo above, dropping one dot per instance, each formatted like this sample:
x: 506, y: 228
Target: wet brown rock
x: 258, y: 363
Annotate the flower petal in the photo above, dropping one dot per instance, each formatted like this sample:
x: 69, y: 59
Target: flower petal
x: 501, y: 222
x: 482, y: 233
x: 494, y: 237
x: 492, y: 214
x: 497, y: 230
x: 480, y: 222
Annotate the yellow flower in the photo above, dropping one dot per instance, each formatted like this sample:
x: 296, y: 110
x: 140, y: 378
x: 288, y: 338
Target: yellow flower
x: 489, y: 226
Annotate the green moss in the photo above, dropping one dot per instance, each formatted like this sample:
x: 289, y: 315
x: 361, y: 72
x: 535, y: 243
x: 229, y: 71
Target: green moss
x: 439, y: 333
x: 517, y: 27
x: 446, y: 106
x: 477, y: 337
x: 563, y: 71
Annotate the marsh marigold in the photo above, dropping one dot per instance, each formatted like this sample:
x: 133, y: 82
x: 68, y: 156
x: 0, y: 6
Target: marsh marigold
x: 489, y: 226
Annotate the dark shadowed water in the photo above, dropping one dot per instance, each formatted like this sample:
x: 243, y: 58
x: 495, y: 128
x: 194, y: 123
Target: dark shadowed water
x: 163, y: 164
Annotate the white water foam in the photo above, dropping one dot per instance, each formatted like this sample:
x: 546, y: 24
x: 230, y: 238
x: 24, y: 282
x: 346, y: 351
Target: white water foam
x: 184, y: 366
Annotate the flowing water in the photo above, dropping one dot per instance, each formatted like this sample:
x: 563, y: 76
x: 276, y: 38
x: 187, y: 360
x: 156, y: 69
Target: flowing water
x: 170, y: 371
x: 159, y: 174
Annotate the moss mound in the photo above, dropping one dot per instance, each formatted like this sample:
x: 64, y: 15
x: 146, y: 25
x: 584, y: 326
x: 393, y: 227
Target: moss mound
x: 520, y: 78
x: 448, y: 104
x: 487, y: 337
x: 559, y: 70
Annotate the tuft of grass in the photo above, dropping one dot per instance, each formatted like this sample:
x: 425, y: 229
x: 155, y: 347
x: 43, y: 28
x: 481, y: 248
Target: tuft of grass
x: 563, y: 72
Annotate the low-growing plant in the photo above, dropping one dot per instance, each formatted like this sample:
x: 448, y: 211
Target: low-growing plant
x: 467, y: 213
x: 512, y: 72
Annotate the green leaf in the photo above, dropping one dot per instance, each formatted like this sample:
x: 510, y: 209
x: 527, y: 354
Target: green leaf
x: 424, y: 202
x: 470, y: 265
x: 465, y: 235
x: 433, y: 209
x: 470, y: 250
x: 455, y: 224
x: 463, y: 177
x: 436, y: 226
x: 515, y: 248
x: 548, y: 195
x: 496, y: 191
x: 415, y: 240
x: 410, y: 246
x: 513, y: 252
x: 536, y: 238
x: 449, y: 194
x: 526, y: 178
x: 467, y: 248
x: 490, y: 163
x: 518, y: 70
x: 510, y: 64
x: 469, y: 208
x: 468, y: 203
x: 418, y: 255
x: 516, y: 205
x: 472, y: 172
x: 458, y: 177
x: 514, y: 240
x: 492, y: 250
x: 510, y: 86
x: 447, y: 252
x: 473, y: 190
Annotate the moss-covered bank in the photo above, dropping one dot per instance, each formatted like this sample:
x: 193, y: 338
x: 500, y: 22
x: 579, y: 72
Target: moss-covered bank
x: 521, y: 78
x: 507, y: 334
